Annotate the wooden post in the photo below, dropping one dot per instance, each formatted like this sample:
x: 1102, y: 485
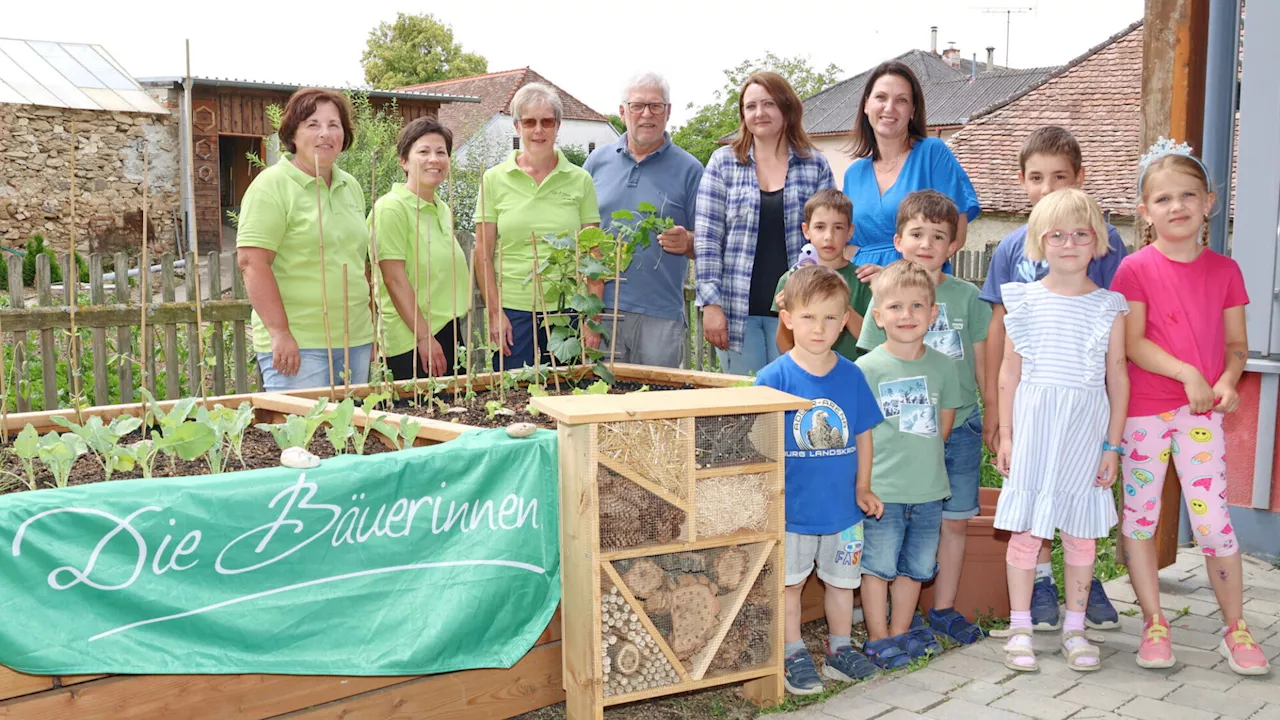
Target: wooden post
x: 194, y: 272
x: 21, y: 402
x: 417, y: 229
x: 537, y: 354
x: 346, y: 335
x: 1174, y: 52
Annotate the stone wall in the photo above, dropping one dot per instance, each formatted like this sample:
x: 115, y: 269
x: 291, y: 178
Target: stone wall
x: 35, y: 177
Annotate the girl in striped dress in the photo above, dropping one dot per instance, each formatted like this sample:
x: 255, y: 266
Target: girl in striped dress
x: 1064, y: 391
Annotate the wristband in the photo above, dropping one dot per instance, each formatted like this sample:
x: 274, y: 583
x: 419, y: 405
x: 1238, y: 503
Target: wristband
x: 1113, y: 448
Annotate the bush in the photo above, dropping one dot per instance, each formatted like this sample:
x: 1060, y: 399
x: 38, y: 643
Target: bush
x: 35, y: 248
x: 4, y: 271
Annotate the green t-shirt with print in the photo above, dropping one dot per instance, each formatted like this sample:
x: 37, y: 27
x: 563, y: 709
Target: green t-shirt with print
x: 526, y: 211
x: 859, y: 301
x: 963, y: 318
x: 278, y: 213
x: 909, y: 466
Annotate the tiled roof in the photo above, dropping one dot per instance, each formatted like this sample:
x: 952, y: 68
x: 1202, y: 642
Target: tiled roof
x: 1097, y: 96
x: 495, y: 91
x: 951, y: 95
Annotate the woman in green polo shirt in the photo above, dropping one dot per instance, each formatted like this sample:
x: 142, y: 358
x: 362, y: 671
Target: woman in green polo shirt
x: 419, y: 258
x: 536, y: 192
x: 278, y: 250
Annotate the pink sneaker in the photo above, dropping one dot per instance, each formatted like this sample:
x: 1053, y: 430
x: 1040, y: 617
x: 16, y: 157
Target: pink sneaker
x: 1156, y: 650
x: 1242, y: 653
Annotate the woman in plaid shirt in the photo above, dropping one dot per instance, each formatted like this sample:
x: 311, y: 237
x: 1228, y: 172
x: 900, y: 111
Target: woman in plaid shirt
x: 749, y: 210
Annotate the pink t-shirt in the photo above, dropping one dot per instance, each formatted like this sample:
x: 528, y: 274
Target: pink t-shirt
x: 1184, y: 303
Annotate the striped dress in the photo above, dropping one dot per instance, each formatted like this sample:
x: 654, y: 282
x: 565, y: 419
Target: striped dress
x: 1060, y: 412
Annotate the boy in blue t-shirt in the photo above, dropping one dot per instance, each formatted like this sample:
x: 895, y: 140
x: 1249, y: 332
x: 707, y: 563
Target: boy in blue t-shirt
x: 828, y: 453
x: 1050, y: 159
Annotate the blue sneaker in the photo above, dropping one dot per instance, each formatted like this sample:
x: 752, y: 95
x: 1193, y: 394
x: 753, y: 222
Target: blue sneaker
x: 847, y: 665
x: 800, y: 675
x: 953, y: 626
x: 887, y: 653
x: 919, y: 641
x: 1100, y: 614
x: 1044, y: 605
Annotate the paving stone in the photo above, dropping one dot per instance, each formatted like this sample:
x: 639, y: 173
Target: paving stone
x: 956, y: 709
x: 1205, y: 594
x: 1256, y: 621
x: 1145, y: 708
x: 1173, y: 604
x: 1214, y: 701
x: 1268, y: 712
x: 1195, y: 656
x: 934, y: 680
x: 899, y: 714
x: 1259, y: 687
x: 1098, y: 698
x: 1207, y: 679
x: 1041, y: 684
x: 990, y: 649
x: 1123, y: 607
x: 1196, y: 639
x: 973, y: 668
x: 854, y: 707
x: 1131, y: 624
x: 1036, y: 706
x: 1209, y: 625
x: 1120, y: 591
x: 980, y: 693
x: 1092, y: 714
x: 1148, y: 686
x: 1262, y: 607
x: 905, y: 696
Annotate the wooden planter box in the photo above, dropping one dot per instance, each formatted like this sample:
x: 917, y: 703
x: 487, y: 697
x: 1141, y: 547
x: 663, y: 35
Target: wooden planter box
x: 534, y: 682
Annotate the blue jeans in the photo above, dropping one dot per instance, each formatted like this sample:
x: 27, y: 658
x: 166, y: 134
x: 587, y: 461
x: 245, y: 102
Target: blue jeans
x: 522, y: 341
x: 964, y: 468
x: 759, y: 347
x: 313, y: 369
x: 903, y: 542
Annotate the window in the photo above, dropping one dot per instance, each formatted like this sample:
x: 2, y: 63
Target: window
x: 515, y: 143
x: 591, y: 147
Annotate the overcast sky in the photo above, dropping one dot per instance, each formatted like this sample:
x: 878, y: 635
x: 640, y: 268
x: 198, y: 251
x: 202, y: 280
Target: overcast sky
x: 587, y: 47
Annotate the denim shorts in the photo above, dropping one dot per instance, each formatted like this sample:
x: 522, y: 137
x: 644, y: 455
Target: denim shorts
x: 903, y: 542
x: 313, y: 368
x: 964, y: 468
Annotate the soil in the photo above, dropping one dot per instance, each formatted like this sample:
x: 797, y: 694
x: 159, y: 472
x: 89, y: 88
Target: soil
x: 474, y: 413
x: 259, y: 450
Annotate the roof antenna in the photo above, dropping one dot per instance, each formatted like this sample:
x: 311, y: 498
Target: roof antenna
x: 1009, y: 12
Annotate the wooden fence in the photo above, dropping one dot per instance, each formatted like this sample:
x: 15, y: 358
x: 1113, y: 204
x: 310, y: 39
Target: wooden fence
x: 115, y: 358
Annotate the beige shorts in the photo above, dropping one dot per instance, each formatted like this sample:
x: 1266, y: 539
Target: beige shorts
x: 838, y: 557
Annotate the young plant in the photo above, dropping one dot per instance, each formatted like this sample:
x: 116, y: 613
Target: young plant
x: 599, y: 387
x: 642, y: 225
x: 535, y: 391
x: 297, y: 430
x: 59, y: 453
x: 227, y: 427
x: 26, y: 446
x: 388, y: 429
x: 188, y: 441
x: 404, y: 436
x: 340, y: 430
x: 492, y: 408
x: 104, y: 440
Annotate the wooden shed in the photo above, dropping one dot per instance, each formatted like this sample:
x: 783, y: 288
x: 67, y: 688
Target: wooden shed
x: 229, y: 120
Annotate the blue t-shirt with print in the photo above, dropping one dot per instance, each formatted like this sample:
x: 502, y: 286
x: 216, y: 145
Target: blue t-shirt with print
x: 1010, y: 264
x: 822, y: 453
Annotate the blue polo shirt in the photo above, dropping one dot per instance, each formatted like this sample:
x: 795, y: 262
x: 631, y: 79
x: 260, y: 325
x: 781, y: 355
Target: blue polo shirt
x: 668, y: 178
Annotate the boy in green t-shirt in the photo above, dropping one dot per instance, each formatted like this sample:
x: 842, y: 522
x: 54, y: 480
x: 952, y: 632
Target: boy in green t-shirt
x: 919, y: 391
x: 828, y: 225
x: 927, y: 236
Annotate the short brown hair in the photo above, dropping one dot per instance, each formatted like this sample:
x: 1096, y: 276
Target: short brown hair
x: 831, y: 199
x: 302, y: 105
x: 862, y: 140
x: 931, y: 206
x: 813, y: 283
x: 416, y: 129
x: 792, y: 115
x: 1051, y: 140
x: 903, y: 275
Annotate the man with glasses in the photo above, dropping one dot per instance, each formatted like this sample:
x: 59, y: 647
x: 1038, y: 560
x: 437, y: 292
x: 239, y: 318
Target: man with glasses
x: 644, y: 166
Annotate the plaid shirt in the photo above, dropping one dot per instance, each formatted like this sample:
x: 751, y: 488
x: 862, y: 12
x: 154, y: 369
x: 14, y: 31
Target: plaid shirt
x: 728, y: 227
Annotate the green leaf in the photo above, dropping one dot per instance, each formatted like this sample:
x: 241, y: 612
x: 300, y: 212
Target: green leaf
x: 594, y: 269
x: 592, y: 235
x: 188, y: 441
x: 647, y: 207
x: 565, y: 349
x: 558, y: 321
x: 537, y: 391
x: 603, y: 372
x: 586, y: 303
x: 599, y: 387
x: 623, y: 215
x: 27, y: 445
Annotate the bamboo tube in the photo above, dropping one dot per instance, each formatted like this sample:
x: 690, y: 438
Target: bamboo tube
x: 617, y: 285
x: 195, y: 270
x: 376, y: 275
x: 144, y: 271
x: 346, y: 335
x: 538, y: 294
x: 431, y: 372
x: 4, y: 396
x: 579, y: 284
x: 324, y: 270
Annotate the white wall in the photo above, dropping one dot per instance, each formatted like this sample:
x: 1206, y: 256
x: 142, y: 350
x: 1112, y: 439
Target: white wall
x: 499, y: 131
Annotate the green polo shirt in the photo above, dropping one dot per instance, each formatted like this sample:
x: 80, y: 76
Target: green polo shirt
x: 278, y: 213
x: 564, y: 202
x: 442, y: 279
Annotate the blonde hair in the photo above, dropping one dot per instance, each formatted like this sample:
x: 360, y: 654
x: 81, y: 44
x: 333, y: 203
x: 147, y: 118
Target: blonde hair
x: 1061, y: 206
x: 903, y: 275
x: 813, y: 283
x: 1174, y: 162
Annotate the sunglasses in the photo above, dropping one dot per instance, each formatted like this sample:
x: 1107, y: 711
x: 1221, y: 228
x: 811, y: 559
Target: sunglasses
x: 531, y: 123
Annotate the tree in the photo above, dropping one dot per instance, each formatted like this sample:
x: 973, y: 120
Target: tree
x: 575, y: 154
x: 718, y: 118
x: 618, y: 123
x: 416, y: 49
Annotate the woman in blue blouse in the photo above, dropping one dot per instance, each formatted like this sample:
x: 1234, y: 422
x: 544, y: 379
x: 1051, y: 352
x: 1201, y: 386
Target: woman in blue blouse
x: 747, y: 227
x: 896, y: 158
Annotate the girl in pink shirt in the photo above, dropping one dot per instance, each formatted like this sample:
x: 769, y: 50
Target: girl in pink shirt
x: 1185, y: 338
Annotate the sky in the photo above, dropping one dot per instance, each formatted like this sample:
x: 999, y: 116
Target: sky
x: 587, y: 47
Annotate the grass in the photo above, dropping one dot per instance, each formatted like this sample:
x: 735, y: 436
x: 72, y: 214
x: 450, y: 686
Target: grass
x: 1131, y: 612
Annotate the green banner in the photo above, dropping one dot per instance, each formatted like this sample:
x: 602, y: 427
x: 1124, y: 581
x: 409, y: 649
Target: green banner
x: 428, y: 560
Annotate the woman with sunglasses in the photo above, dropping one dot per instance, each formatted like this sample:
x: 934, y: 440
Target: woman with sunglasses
x: 536, y: 192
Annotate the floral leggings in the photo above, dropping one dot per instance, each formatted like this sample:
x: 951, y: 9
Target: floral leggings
x: 1197, y: 447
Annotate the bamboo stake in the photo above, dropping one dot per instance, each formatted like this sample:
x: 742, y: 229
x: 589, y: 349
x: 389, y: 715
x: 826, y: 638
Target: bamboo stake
x: 71, y: 283
x: 539, y: 295
x: 502, y: 364
x: 417, y: 228
x: 537, y: 353
x: 578, y: 284
x: 617, y: 285
x: 4, y: 396
x: 346, y: 335
x: 376, y: 275
x: 195, y: 270
x: 324, y: 270
x: 431, y: 372
x: 144, y: 271
x: 453, y: 277
x: 471, y: 330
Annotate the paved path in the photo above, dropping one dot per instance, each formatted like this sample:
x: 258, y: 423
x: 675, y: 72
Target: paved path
x: 974, y: 683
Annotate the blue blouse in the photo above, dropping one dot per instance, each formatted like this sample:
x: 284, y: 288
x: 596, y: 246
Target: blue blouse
x: 929, y: 166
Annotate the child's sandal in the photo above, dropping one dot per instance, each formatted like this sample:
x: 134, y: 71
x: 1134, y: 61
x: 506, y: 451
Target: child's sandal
x: 1014, y: 652
x: 1076, y: 652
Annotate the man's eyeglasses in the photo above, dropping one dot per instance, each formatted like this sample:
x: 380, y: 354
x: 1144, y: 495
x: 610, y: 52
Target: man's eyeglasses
x: 637, y: 108
x: 531, y: 123
x: 1056, y: 238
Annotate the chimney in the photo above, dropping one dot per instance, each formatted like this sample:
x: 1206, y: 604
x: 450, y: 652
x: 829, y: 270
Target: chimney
x: 951, y: 56
x: 991, y: 58
x: 933, y: 39
x: 973, y: 68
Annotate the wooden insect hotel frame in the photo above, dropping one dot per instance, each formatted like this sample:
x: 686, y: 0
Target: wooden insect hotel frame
x: 672, y: 520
